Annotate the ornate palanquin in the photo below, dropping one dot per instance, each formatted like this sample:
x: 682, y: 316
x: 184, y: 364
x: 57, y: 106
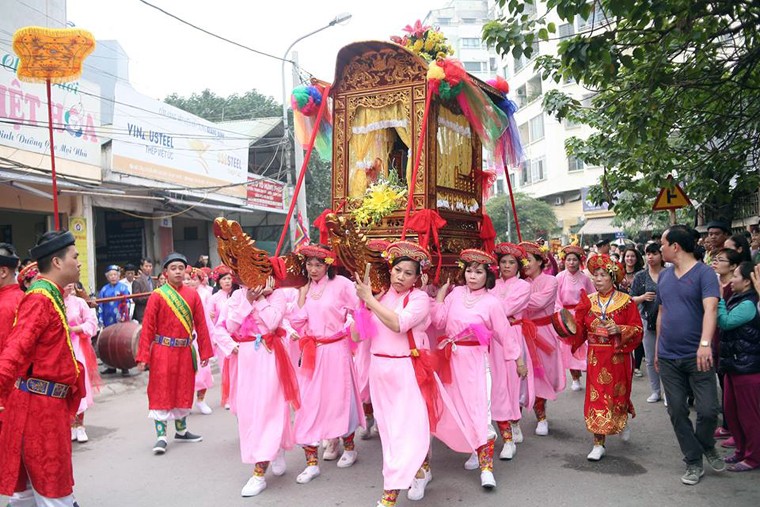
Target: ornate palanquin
x: 379, y: 95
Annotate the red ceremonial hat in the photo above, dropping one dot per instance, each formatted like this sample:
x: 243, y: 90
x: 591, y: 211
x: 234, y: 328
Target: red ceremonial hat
x: 475, y: 255
x: 220, y: 271
x: 512, y: 249
x: 408, y: 249
x: 573, y: 249
x: 534, y: 248
x: 611, y: 266
x: 30, y: 272
x: 317, y: 252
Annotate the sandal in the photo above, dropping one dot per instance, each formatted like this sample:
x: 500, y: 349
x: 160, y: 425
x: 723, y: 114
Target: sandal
x: 742, y: 466
x: 734, y: 458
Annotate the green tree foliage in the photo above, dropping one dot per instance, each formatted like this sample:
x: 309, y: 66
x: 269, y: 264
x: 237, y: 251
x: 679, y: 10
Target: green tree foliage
x: 318, y: 191
x: 537, y: 219
x: 213, y: 107
x: 676, y: 84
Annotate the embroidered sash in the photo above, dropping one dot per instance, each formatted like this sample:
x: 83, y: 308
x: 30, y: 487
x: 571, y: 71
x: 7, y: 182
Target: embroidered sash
x: 182, y: 311
x: 50, y: 291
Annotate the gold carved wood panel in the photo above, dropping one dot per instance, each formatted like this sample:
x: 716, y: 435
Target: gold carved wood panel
x: 375, y: 69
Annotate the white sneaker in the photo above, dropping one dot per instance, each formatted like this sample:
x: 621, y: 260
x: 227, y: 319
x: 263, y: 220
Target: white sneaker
x: 542, y: 428
x: 347, y: 459
x: 472, y: 462
x: 576, y: 386
x: 508, y: 451
x: 226, y: 406
x: 653, y: 398
x: 517, y: 434
x: 203, y: 407
x: 417, y: 491
x: 279, y: 467
x: 309, y: 473
x: 73, y: 434
x: 487, y: 480
x: 367, y: 434
x: 625, y: 435
x: 596, y: 453
x: 331, y: 450
x: 254, y: 486
x: 81, y: 435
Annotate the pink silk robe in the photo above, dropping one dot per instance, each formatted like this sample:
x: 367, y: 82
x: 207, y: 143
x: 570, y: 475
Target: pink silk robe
x: 79, y: 314
x: 468, y: 389
x: 330, y: 402
x: 568, y: 294
x: 204, y: 379
x: 543, y: 298
x: 256, y: 394
x: 509, y: 391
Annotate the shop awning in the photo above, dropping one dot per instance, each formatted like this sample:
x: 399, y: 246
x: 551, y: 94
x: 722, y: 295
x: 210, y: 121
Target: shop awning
x: 599, y: 226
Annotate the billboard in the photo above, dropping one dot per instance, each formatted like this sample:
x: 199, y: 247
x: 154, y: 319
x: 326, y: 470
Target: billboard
x: 266, y: 193
x: 159, y: 142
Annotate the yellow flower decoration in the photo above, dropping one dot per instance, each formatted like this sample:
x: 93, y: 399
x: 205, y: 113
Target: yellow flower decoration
x: 524, y: 262
x: 329, y: 260
x: 435, y: 72
x: 460, y: 264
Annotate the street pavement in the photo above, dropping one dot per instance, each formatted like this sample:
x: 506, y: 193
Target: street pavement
x: 117, y: 468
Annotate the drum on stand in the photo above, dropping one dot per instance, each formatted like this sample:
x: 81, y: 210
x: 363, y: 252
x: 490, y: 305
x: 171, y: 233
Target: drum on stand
x: 117, y: 344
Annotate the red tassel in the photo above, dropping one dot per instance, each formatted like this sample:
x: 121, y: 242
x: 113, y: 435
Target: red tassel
x: 321, y: 224
x: 488, y: 234
x: 426, y: 223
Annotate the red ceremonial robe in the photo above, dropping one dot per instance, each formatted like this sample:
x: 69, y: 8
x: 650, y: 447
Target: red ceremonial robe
x: 172, y: 379
x: 36, y: 433
x: 10, y: 298
x: 610, y: 368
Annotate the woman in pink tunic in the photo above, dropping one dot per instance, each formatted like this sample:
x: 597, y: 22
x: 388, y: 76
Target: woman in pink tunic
x: 401, y: 316
x: 512, y: 386
x: 263, y: 382
x: 330, y: 404
x: 570, y: 282
x: 473, y: 319
x: 222, y: 275
x: 549, y: 378
x: 203, y: 377
x: 83, y: 324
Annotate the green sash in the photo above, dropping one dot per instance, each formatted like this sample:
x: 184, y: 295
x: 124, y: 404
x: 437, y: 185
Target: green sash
x: 182, y: 311
x: 50, y: 291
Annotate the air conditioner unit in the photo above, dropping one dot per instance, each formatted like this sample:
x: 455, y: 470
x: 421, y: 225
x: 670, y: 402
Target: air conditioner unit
x: 559, y: 201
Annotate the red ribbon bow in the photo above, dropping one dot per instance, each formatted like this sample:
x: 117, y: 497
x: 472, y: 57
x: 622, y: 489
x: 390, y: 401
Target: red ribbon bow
x: 427, y: 222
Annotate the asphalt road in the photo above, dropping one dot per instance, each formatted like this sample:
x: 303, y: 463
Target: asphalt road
x: 117, y: 468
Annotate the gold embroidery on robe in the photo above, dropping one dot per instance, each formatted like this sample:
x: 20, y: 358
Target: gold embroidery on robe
x: 604, y: 377
x: 618, y: 358
x: 593, y: 394
x: 619, y: 389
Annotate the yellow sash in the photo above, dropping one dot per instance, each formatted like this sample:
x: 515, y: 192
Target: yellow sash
x: 50, y: 291
x: 179, y: 307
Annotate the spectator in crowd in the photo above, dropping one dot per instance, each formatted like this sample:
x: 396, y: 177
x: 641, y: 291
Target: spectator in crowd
x: 603, y: 246
x: 754, y: 243
x: 112, y: 312
x: 717, y: 234
x: 632, y: 264
x: 644, y: 293
x: 203, y: 261
x: 143, y: 283
x: 739, y: 324
x: 739, y: 243
x: 688, y: 300
x: 129, y: 276
x: 724, y: 263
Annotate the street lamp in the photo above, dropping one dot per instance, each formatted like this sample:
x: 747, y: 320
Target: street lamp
x: 340, y: 19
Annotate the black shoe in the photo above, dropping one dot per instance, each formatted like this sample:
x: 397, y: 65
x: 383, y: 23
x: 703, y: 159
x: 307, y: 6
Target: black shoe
x: 108, y: 371
x: 124, y: 372
x: 160, y: 446
x: 187, y: 437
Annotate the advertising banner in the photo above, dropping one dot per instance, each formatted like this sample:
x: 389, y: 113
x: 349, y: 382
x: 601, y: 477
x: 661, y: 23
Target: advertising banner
x: 156, y: 141
x: 266, y: 193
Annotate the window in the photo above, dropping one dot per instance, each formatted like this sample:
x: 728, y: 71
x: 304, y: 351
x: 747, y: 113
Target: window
x: 570, y: 124
x: 444, y: 21
x: 469, y: 21
x: 475, y: 66
x: 566, y: 30
x: 534, y: 88
x: 524, y: 133
x: 512, y: 181
x: 499, y: 187
x: 537, y: 128
x: 537, y: 171
x: 525, y: 174
x: 574, y: 164
x: 523, y: 60
x: 471, y: 42
x: 596, y: 19
x: 492, y: 64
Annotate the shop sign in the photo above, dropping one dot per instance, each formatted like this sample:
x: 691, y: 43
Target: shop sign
x: 266, y: 193
x: 159, y: 142
x: 24, y: 117
x: 78, y: 227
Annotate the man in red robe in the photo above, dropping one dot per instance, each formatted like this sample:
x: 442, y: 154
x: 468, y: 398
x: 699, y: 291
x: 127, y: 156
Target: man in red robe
x: 174, y: 316
x: 41, y: 383
x: 10, y: 292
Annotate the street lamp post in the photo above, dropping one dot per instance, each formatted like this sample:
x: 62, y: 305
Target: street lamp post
x: 301, y: 197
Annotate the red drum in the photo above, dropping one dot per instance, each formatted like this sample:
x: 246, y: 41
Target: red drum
x: 564, y: 323
x: 117, y: 344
